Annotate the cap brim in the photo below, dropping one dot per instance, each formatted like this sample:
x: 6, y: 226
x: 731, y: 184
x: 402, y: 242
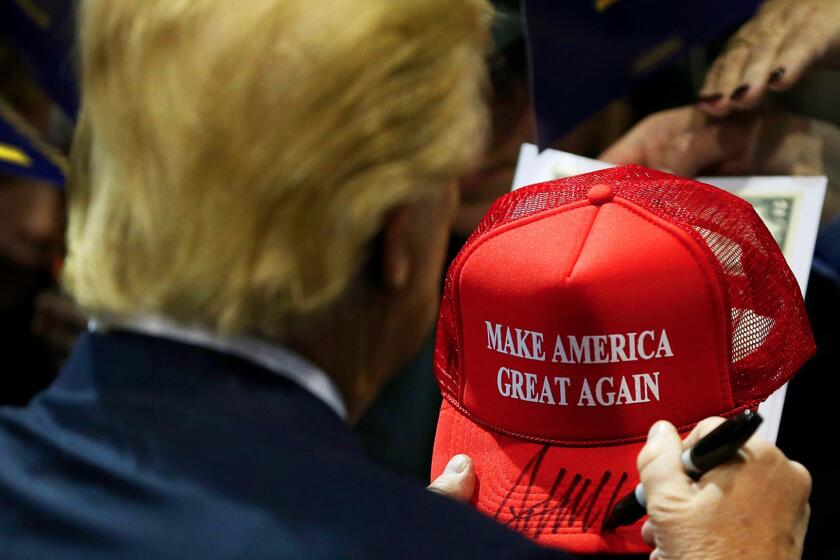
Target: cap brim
x: 558, y: 496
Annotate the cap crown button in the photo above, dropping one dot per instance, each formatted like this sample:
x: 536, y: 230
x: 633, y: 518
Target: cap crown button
x: 600, y: 194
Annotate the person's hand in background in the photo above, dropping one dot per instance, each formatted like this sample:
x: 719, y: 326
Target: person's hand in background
x: 771, y: 52
x: 752, y: 507
x: 660, y: 140
x: 687, y: 142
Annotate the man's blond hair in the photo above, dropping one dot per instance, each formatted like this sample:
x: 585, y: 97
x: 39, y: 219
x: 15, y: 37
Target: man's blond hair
x: 233, y: 160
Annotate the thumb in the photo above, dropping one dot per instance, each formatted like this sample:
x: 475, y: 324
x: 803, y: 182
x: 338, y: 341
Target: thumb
x: 711, y: 145
x: 627, y: 149
x: 660, y: 465
x: 457, y: 480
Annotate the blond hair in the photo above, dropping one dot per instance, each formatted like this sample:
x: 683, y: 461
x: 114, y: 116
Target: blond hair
x: 234, y: 160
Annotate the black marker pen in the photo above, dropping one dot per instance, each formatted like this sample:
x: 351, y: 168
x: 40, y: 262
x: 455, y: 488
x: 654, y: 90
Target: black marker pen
x: 717, y: 447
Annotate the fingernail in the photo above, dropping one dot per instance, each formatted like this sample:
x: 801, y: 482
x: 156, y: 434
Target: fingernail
x: 740, y: 92
x: 657, y: 429
x: 709, y: 98
x: 776, y: 75
x: 457, y: 464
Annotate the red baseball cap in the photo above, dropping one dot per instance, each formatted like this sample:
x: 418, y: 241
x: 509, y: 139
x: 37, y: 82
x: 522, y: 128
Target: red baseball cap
x: 583, y: 310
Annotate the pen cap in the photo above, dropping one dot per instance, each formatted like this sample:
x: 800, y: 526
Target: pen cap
x: 721, y: 444
x: 583, y: 310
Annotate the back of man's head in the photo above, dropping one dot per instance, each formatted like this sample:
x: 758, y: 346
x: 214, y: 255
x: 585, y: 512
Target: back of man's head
x: 234, y: 160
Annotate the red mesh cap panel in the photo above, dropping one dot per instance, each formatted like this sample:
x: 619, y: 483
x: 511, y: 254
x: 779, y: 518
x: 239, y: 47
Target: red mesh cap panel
x: 768, y: 335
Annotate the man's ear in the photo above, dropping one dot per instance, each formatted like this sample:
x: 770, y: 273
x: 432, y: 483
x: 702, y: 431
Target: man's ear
x: 412, y: 241
x: 397, y: 251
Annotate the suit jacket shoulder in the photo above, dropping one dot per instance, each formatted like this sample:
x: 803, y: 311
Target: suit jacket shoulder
x: 147, y: 448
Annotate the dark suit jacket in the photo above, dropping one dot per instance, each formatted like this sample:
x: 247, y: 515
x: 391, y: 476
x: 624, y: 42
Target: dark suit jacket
x: 149, y: 448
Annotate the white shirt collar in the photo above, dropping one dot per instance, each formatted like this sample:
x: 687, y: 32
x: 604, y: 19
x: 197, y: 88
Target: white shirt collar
x: 276, y: 359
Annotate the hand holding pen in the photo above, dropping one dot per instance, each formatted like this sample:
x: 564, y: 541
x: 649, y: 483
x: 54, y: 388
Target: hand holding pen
x: 715, y: 448
x: 766, y: 494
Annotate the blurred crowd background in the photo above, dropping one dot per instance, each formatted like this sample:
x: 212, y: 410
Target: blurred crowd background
x: 782, y: 52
